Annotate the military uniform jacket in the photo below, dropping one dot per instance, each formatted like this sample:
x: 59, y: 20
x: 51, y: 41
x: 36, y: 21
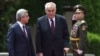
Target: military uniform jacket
x: 79, y: 30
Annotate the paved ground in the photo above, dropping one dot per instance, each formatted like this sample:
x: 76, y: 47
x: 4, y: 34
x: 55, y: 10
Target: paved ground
x: 70, y: 54
x: 6, y: 54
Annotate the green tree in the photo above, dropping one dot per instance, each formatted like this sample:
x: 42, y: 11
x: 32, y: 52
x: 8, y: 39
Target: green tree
x: 93, y: 18
x: 93, y: 14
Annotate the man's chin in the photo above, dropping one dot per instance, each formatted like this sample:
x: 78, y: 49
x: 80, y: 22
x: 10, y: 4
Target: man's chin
x: 51, y: 16
x: 26, y: 22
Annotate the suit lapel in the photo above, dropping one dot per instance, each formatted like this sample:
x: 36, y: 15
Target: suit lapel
x: 20, y: 30
x: 56, y: 23
x: 47, y: 24
x: 27, y: 30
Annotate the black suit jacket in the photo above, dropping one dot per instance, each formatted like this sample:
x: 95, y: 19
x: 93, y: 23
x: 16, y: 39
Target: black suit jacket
x: 18, y: 44
x: 46, y: 41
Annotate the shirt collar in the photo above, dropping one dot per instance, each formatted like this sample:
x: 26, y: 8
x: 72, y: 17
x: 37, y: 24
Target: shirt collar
x: 20, y: 24
x: 52, y: 19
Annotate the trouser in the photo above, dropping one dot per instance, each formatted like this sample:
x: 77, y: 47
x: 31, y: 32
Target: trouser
x: 53, y: 53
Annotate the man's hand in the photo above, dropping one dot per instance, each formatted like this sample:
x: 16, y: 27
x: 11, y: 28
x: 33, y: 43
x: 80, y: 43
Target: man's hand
x: 66, y: 50
x: 40, y: 54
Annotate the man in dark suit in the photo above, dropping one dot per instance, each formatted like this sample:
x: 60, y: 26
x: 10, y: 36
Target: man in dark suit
x: 52, y: 37
x: 19, y: 36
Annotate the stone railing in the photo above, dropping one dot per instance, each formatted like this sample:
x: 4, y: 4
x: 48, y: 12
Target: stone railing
x: 3, y: 54
x: 70, y: 54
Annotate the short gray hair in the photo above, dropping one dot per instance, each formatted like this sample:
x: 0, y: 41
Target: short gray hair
x: 20, y: 13
x: 50, y: 4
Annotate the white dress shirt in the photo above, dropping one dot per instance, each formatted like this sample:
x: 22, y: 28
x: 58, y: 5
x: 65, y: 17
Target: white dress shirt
x: 50, y: 21
x: 21, y: 26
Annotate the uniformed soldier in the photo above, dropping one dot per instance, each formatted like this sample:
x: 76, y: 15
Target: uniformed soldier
x: 79, y: 32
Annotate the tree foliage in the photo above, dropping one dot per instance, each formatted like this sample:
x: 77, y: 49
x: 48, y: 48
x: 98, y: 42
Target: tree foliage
x: 93, y: 15
x: 93, y: 41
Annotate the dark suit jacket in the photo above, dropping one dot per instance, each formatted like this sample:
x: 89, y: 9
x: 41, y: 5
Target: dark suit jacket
x: 82, y: 35
x: 18, y: 44
x: 46, y: 41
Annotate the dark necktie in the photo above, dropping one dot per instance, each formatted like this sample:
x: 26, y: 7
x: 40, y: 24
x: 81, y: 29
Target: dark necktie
x: 52, y: 26
x: 24, y: 31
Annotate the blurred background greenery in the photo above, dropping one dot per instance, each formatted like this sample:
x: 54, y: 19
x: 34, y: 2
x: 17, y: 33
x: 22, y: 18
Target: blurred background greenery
x: 8, y: 10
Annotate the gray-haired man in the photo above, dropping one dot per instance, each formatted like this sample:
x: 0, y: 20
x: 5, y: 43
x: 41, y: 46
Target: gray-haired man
x: 52, y: 37
x: 19, y: 36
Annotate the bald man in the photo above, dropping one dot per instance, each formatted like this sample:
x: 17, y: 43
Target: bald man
x: 52, y: 36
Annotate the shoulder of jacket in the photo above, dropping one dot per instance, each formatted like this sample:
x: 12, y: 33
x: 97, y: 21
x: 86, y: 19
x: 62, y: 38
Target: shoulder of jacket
x: 42, y: 17
x: 60, y: 17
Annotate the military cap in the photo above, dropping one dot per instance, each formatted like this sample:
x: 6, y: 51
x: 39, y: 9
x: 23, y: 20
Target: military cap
x: 79, y: 8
